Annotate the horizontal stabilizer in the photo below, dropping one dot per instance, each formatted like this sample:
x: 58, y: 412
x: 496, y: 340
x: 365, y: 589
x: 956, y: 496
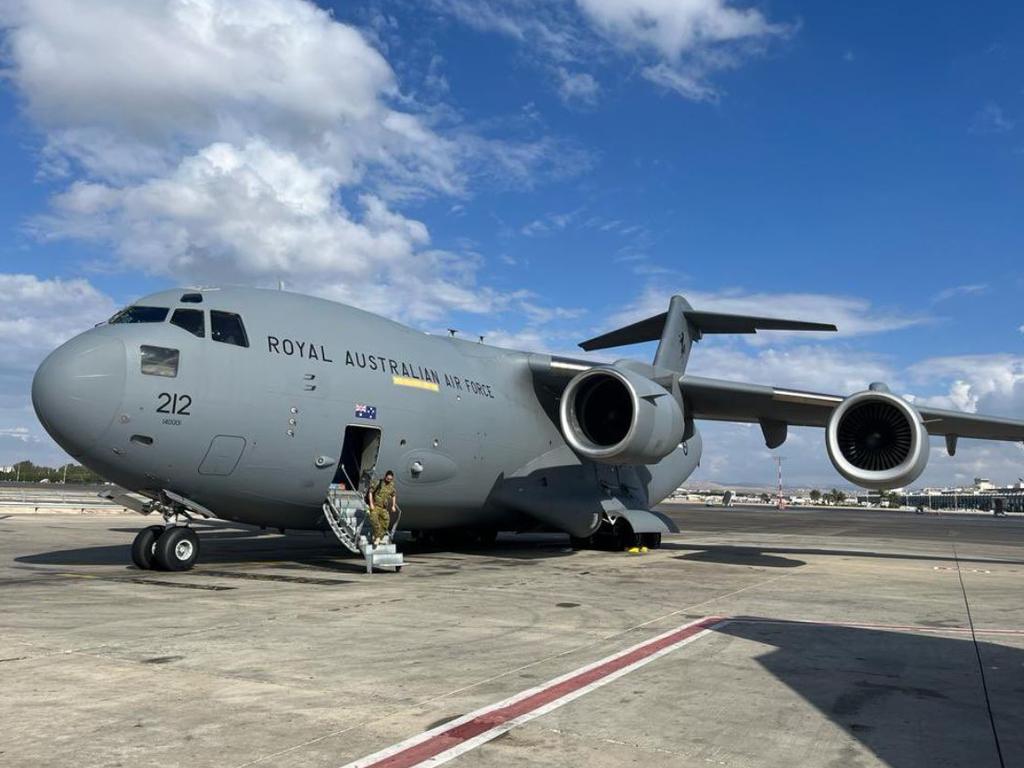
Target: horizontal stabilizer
x: 700, y: 324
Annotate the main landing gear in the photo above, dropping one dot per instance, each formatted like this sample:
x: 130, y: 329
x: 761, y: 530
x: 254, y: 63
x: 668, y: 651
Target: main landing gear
x: 617, y: 537
x: 170, y: 548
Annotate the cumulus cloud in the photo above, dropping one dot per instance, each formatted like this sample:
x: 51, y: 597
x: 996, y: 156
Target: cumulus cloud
x: 209, y: 141
x: 991, y: 384
x: 125, y: 88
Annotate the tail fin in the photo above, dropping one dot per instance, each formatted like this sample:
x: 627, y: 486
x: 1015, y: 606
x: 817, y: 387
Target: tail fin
x: 681, y: 325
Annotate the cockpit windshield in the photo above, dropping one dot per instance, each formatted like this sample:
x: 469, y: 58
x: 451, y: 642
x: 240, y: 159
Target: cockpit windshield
x: 227, y: 328
x: 139, y: 314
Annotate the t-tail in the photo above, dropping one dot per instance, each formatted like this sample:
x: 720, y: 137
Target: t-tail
x: 677, y: 329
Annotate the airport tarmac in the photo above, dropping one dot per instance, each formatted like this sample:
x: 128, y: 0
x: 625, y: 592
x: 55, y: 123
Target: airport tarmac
x: 754, y: 638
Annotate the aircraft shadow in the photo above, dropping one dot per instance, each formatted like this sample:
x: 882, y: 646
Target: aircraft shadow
x: 224, y: 545
x: 914, y: 700
x: 766, y: 556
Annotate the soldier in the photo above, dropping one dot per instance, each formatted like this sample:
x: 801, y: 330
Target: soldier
x: 383, y: 498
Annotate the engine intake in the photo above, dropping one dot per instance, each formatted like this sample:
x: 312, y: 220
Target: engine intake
x: 877, y: 440
x: 616, y: 416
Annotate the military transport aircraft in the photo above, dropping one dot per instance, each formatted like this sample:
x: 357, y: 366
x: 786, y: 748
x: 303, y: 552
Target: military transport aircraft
x: 257, y: 406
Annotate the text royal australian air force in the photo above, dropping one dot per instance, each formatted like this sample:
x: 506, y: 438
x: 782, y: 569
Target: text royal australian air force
x: 399, y: 370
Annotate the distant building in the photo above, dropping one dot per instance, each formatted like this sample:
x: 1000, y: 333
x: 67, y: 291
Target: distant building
x: 982, y: 495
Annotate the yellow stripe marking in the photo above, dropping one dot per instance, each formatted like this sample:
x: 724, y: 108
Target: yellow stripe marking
x: 408, y: 381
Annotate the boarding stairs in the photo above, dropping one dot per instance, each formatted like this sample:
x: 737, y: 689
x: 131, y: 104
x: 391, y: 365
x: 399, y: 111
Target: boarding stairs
x: 346, y: 514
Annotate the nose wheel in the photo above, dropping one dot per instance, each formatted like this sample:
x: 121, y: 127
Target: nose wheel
x: 167, y: 549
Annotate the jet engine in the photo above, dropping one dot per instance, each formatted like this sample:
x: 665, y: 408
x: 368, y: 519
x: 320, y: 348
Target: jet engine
x: 877, y: 440
x: 614, y: 415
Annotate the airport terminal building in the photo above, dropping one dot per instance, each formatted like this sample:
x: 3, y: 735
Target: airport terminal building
x: 983, y: 495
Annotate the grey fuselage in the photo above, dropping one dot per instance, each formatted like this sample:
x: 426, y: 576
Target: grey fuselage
x: 254, y: 433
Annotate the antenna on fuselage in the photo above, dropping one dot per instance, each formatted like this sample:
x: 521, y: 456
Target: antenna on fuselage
x: 452, y: 331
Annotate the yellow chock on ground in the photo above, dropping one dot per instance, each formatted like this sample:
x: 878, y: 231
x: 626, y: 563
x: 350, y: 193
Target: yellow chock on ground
x: 634, y: 550
x: 643, y: 550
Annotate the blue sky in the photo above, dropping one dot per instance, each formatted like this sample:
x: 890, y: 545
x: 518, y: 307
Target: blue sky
x: 536, y: 172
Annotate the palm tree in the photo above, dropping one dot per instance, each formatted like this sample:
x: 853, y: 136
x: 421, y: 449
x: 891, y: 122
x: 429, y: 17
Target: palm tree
x: 836, y: 497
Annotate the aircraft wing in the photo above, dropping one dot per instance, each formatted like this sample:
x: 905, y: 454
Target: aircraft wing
x: 721, y: 400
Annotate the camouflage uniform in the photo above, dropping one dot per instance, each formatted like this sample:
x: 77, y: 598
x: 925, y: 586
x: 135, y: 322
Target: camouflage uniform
x: 380, y: 516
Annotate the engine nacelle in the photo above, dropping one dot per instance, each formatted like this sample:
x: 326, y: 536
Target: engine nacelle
x: 616, y: 416
x: 877, y: 440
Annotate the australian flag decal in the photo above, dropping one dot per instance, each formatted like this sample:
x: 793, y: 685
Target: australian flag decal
x: 366, y: 411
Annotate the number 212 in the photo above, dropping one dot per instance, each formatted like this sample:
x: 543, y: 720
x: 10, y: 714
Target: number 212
x: 176, y: 404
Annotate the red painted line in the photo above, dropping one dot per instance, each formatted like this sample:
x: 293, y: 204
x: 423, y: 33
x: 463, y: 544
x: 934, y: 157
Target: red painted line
x: 490, y: 719
x: 470, y: 731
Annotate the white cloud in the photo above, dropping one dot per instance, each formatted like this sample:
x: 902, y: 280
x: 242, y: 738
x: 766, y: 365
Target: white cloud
x: 684, y: 42
x: 37, y: 315
x: 122, y: 88
x: 971, y: 289
x: 990, y: 384
x: 673, y: 27
x: 991, y: 119
x: 690, y: 85
x: 552, y: 222
x: 680, y: 44
x: 816, y: 368
x: 21, y: 434
x: 208, y: 141
x: 550, y: 26
x: 577, y: 88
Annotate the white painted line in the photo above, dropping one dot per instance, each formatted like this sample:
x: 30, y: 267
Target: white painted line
x: 448, y: 741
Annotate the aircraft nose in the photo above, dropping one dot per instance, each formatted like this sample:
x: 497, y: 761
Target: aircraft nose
x: 78, y: 389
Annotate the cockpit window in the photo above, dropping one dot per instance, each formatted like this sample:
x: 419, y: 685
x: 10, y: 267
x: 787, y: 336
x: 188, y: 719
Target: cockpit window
x: 159, y: 361
x: 227, y: 327
x: 191, y: 320
x: 192, y: 298
x: 138, y: 314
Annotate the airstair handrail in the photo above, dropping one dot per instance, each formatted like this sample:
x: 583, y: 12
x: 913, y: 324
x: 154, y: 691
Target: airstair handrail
x: 394, y: 525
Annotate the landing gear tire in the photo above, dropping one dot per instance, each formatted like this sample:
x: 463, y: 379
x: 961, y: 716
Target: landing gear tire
x: 144, y: 546
x: 650, y: 540
x: 177, y: 549
x: 624, y: 537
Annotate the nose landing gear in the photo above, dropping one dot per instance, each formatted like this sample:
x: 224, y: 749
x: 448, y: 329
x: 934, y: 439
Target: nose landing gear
x: 175, y: 548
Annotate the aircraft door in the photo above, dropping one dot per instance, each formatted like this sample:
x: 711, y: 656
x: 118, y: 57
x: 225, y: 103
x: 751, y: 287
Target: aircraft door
x: 359, y: 449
